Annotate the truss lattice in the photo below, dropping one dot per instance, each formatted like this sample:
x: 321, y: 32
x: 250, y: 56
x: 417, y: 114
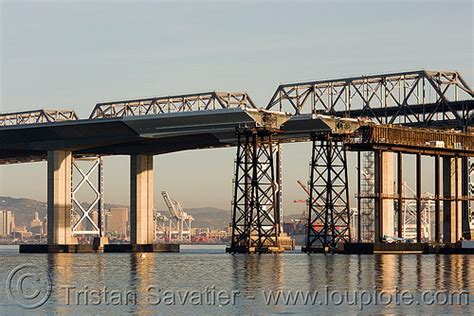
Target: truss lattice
x: 329, y: 213
x: 413, y: 98
x: 255, y: 217
x: 36, y: 117
x: 172, y: 104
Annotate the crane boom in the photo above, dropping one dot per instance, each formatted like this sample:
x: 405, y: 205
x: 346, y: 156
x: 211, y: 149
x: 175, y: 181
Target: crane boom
x: 303, y: 187
x: 171, y: 204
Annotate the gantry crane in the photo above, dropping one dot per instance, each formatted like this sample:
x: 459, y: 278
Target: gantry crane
x: 179, y: 222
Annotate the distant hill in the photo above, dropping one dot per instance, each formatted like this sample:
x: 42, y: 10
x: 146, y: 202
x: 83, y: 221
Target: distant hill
x: 210, y: 217
x: 24, y: 210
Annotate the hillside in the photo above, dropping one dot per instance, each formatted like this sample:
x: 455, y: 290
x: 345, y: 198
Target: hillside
x: 24, y: 210
x: 212, y: 217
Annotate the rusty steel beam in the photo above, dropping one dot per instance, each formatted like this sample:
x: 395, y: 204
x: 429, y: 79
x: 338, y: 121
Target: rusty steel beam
x: 36, y: 117
x: 172, y: 104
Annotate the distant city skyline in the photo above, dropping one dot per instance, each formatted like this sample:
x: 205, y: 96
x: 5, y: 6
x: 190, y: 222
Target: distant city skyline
x: 72, y: 55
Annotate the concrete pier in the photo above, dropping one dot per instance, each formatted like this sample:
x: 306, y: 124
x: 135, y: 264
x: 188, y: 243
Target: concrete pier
x: 141, y: 199
x: 452, y: 204
x: 385, y: 186
x: 141, y: 210
x: 59, y: 198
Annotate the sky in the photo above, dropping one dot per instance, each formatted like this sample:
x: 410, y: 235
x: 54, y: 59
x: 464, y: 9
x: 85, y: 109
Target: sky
x: 72, y: 54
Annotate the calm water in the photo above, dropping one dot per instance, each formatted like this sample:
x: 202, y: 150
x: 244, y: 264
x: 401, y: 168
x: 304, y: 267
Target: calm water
x: 149, y: 278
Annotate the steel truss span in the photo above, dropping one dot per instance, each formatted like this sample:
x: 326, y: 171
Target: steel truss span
x: 171, y: 104
x: 255, y: 217
x: 415, y: 98
x: 329, y: 214
x: 36, y: 117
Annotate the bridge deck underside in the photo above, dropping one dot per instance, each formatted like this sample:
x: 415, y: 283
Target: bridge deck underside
x: 165, y: 133
x: 155, y: 135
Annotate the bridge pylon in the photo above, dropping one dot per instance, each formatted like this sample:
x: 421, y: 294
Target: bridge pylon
x: 255, y: 215
x: 329, y: 213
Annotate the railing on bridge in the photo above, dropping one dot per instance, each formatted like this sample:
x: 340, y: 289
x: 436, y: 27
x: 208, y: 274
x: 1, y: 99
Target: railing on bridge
x: 415, y: 97
x: 36, y: 116
x: 171, y: 104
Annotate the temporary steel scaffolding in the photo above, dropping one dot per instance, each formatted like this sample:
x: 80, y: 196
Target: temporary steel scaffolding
x: 255, y: 217
x: 366, y: 177
x: 329, y: 214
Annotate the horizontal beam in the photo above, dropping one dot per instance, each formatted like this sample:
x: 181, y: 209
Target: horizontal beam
x: 421, y: 114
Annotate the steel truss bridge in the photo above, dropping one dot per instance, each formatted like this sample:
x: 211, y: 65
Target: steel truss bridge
x: 334, y: 115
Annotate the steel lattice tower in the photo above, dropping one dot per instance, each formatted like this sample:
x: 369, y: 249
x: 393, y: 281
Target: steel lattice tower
x: 367, y: 195
x: 255, y: 217
x: 328, y: 220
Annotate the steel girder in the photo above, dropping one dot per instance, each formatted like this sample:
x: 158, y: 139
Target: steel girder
x: 414, y: 98
x: 329, y: 213
x: 170, y: 104
x: 255, y: 216
x: 83, y: 221
x: 37, y: 116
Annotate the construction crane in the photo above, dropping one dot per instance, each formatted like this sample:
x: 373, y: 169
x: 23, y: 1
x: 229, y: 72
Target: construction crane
x: 305, y: 189
x: 179, y: 222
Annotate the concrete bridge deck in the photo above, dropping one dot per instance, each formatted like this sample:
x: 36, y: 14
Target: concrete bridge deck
x: 159, y: 133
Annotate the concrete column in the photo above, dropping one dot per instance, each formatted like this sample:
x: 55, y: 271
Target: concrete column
x: 59, y: 198
x: 385, y: 188
x: 452, y: 204
x: 141, y: 199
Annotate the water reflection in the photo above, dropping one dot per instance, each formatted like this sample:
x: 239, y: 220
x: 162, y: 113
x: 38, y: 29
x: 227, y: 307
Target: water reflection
x: 247, y: 274
x: 254, y: 272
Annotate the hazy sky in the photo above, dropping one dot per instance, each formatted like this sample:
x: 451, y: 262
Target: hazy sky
x: 71, y: 54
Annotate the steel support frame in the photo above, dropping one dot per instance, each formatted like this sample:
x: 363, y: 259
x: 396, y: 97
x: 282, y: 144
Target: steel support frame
x: 329, y: 212
x: 366, y: 195
x: 82, y: 221
x: 255, y: 215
